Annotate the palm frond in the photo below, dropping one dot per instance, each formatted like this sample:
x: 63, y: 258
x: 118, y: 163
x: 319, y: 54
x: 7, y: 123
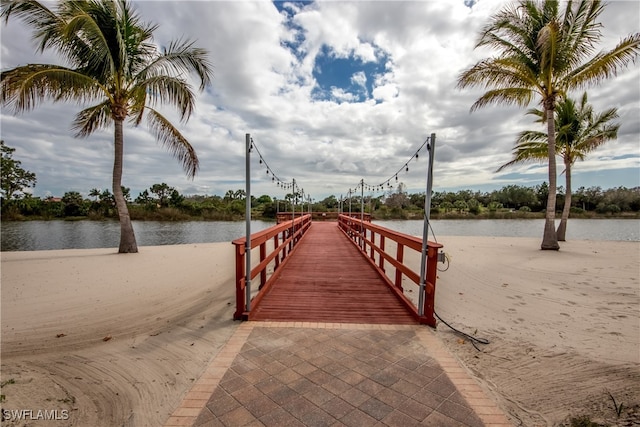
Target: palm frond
x: 531, y: 138
x: 581, y: 31
x: 24, y: 87
x: 164, y: 89
x: 531, y: 147
x: 137, y: 103
x: 173, y: 141
x: 605, y: 64
x: 540, y: 114
x: 92, y: 55
x: 181, y: 57
x: 46, y: 24
x: 509, y: 96
x: 92, y: 118
x: 500, y: 73
x: 547, y: 52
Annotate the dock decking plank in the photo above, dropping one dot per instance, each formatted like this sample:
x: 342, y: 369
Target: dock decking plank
x: 328, y: 280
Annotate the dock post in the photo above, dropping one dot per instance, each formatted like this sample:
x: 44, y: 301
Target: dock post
x: 425, y: 229
x: 247, y: 214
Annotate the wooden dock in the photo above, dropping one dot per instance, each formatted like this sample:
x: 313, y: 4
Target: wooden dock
x: 329, y: 280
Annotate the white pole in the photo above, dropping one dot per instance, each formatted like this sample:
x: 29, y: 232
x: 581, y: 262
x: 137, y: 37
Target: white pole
x: 425, y: 228
x: 293, y: 213
x: 362, y: 213
x: 247, y: 215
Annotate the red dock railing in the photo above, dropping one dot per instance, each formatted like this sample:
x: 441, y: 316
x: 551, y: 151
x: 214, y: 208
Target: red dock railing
x: 284, y: 237
x: 375, y: 243
x: 394, y: 256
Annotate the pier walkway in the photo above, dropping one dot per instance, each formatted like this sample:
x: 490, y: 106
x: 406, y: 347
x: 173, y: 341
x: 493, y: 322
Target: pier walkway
x: 328, y: 280
x: 332, y: 340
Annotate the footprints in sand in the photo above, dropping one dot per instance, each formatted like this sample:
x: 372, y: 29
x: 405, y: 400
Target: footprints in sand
x: 519, y: 302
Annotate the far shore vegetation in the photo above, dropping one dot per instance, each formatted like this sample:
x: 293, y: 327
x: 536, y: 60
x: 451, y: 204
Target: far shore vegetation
x: 164, y: 203
x: 161, y: 202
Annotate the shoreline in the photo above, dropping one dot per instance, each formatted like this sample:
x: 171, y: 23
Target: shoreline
x: 562, y: 325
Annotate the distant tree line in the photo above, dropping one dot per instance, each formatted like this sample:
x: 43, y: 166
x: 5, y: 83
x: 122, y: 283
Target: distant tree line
x: 163, y: 202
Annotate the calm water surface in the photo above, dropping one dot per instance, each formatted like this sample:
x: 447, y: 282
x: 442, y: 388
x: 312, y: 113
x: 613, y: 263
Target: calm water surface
x: 577, y: 229
x: 46, y: 235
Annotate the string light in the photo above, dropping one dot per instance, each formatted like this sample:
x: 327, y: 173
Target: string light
x: 269, y: 171
x: 387, y: 182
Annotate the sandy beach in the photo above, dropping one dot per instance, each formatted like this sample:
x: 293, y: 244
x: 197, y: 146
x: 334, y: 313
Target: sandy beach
x: 119, y: 339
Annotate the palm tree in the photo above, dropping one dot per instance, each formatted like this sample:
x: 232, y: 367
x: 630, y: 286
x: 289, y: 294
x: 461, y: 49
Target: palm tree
x: 579, y: 131
x: 112, y: 62
x: 94, y: 193
x: 545, y: 52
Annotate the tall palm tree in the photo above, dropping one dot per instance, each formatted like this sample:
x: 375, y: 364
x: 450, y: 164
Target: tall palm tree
x: 579, y: 131
x: 545, y: 52
x: 112, y: 62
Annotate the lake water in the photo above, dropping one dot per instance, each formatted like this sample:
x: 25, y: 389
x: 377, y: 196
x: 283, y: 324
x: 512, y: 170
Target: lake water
x: 46, y: 235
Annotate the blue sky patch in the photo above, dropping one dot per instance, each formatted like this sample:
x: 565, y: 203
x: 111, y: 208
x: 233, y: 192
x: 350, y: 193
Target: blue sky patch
x: 345, y: 79
x: 288, y: 8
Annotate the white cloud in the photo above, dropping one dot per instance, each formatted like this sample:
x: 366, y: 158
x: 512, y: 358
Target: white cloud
x: 360, y: 79
x: 263, y: 88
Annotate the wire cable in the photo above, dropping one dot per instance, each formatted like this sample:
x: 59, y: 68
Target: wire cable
x: 387, y: 182
x: 474, y: 340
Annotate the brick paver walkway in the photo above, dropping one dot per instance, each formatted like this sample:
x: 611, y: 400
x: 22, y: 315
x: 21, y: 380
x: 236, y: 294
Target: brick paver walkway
x: 294, y: 374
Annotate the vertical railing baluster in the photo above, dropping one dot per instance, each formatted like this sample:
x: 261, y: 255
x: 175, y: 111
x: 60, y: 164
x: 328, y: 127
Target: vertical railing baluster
x: 372, y: 253
x: 381, y: 258
x: 263, y: 256
x: 400, y: 259
x: 275, y: 248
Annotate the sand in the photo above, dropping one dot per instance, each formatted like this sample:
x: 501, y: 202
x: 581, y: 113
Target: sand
x: 167, y: 310
x: 564, y: 327
x: 119, y: 339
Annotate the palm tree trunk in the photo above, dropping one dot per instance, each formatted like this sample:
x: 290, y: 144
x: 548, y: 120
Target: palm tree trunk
x: 127, y: 236
x: 562, y: 228
x: 549, y: 239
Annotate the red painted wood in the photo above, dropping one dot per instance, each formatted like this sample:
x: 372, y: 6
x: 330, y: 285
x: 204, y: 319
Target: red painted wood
x: 300, y: 225
x: 329, y: 280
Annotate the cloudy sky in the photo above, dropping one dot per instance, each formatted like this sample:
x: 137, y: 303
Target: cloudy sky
x: 332, y: 93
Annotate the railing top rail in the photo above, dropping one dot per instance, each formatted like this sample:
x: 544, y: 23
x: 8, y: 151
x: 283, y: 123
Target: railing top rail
x: 263, y: 235
x: 405, y: 239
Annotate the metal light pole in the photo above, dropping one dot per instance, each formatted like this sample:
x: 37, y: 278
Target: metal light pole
x: 425, y: 229
x: 362, y: 213
x: 247, y: 214
x: 293, y: 212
